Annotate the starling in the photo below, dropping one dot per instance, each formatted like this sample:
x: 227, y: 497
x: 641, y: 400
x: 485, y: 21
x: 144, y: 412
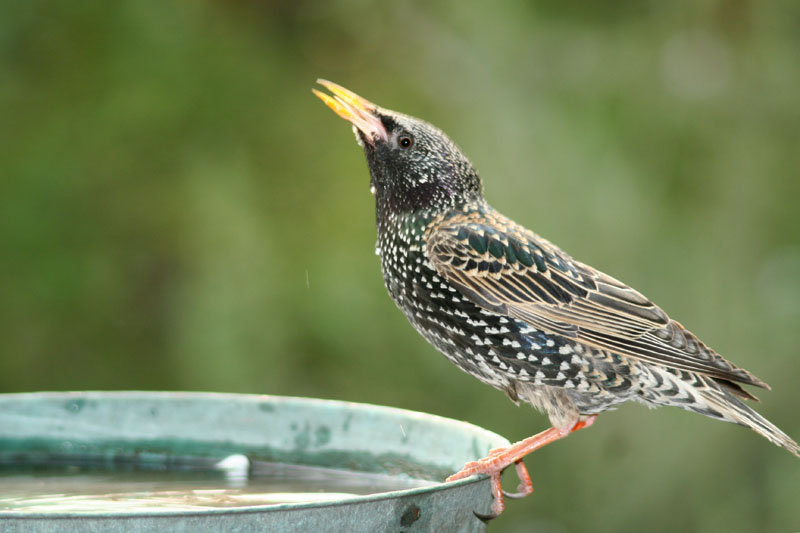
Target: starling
x: 515, y: 311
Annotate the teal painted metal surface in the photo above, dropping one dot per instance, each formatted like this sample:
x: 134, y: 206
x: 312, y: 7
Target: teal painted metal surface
x: 156, y: 426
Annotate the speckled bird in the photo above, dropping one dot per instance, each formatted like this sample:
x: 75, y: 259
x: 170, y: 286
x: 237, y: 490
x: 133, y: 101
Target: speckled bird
x: 515, y: 311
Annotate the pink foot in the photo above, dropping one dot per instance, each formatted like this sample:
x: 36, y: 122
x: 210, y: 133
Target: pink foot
x: 500, y: 458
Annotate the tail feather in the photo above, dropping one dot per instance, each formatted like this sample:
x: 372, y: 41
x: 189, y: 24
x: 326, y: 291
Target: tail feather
x: 736, y: 390
x: 734, y: 410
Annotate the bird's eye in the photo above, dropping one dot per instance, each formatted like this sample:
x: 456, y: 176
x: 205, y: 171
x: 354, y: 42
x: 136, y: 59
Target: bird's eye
x: 405, y: 141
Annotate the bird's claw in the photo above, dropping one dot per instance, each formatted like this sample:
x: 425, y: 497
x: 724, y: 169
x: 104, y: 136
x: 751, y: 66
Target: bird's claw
x: 493, y: 466
x: 516, y: 495
x: 485, y: 518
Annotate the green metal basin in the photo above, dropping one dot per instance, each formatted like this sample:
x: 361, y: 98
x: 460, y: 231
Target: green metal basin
x: 155, y: 428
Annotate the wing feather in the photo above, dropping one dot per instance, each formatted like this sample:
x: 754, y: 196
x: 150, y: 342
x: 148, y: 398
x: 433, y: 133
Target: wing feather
x: 507, y: 269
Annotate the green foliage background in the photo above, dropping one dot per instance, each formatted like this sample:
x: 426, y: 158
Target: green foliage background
x: 178, y: 212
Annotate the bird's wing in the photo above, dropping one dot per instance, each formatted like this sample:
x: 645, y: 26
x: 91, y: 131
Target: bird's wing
x: 505, y: 268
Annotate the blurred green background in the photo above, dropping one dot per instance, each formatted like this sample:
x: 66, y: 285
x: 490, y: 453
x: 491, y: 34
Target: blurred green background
x: 177, y: 211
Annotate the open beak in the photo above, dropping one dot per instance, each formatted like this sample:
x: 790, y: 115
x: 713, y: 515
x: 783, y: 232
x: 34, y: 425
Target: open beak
x: 351, y: 107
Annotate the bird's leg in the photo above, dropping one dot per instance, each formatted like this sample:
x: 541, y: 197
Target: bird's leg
x: 500, y: 458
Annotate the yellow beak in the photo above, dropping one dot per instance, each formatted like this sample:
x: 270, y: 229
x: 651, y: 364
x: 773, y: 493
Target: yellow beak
x: 358, y: 111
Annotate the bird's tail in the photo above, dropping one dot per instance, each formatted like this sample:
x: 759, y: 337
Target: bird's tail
x: 734, y: 410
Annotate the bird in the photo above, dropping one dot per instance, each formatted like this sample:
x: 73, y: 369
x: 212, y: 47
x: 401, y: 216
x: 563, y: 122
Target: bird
x: 514, y: 310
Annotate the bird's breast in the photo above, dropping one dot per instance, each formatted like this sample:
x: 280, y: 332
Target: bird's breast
x: 496, y: 349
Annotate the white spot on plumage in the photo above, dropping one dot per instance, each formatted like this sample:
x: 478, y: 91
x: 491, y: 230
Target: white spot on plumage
x: 509, y: 342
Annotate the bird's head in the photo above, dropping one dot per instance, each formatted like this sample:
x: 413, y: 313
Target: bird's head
x: 413, y: 165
